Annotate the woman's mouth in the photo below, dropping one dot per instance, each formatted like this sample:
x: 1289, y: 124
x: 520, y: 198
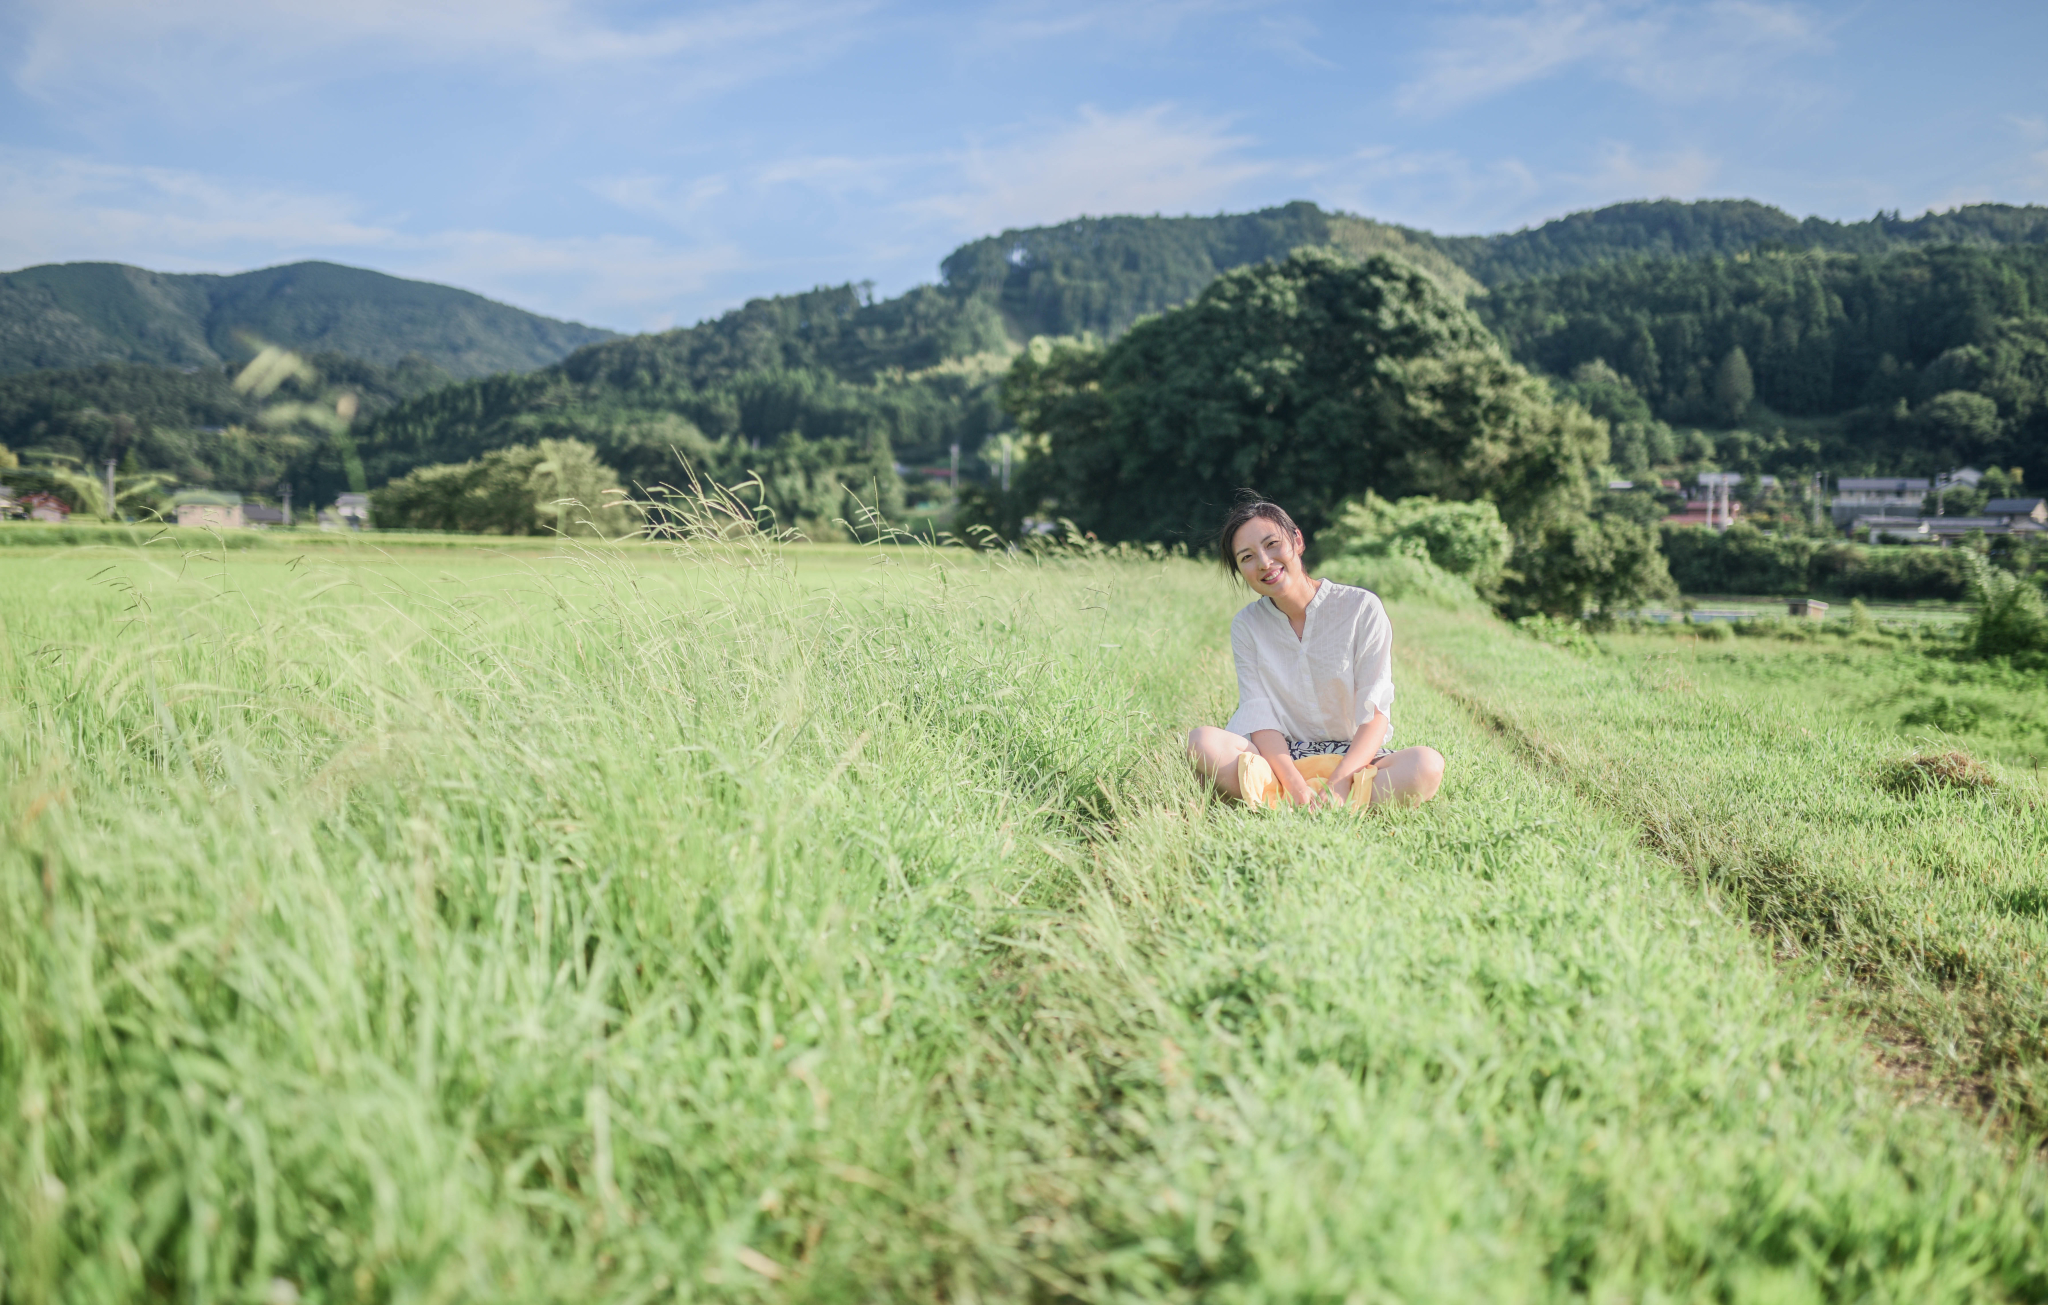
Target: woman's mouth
x: 1270, y: 577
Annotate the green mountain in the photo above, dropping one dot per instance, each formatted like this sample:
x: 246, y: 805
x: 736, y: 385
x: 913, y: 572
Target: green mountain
x: 1906, y: 362
x: 1865, y: 331
x: 1100, y: 274
x: 1669, y: 228
x: 76, y: 314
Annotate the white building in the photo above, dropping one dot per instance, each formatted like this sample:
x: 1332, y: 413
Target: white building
x: 211, y: 512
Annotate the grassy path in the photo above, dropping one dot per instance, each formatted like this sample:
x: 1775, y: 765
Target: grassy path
x: 595, y: 931
x: 1922, y: 909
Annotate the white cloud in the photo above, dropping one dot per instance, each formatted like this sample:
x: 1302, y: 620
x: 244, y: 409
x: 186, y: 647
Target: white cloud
x: 1151, y: 160
x: 59, y: 209
x: 1438, y: 190
x: 1446, y: 192
x: 1058, y: 20
x: 660, y: 198
x: 629, y: 283
x: 1293, y: 37
x: 1619, y: 174
x: 1666, y: 50
x: 211, y: 49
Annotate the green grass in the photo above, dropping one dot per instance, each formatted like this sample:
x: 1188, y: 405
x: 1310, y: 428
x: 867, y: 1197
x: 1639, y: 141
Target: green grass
x: 1775, y: 771
x: 737, y: 925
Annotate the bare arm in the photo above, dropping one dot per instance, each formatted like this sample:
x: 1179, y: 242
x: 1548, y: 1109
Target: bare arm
x: 1365, y: 745
x: 1272, y: 745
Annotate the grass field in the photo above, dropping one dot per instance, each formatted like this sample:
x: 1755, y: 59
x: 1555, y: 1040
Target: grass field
x: 728, y: 923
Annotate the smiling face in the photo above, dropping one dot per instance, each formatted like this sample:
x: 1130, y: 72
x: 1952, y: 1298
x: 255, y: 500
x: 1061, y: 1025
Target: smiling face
x: 1268, y: 555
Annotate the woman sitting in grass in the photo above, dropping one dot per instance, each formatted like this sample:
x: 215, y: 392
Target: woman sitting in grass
x: 1315, y: 678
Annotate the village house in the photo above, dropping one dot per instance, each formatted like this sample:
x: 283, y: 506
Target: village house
x: 47, y: 508
x: 207, y: 510
x: 1879, y: 496
x: 2014, y: 511
x: 1714, y: 505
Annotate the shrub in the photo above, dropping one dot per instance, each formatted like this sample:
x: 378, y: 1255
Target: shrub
x: 1899, y: 572
x: 1745, y: 560
x: 553, y: 486
x: 1585, y: 567
x: 1738, y: 560
x: 1466, y: 540
x: 1948, y: 715
x: 2010, y: 620
x: 1400, y: 576
x: 1569, y: 635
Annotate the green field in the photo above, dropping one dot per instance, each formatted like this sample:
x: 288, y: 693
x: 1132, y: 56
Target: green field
x: 416, y: 924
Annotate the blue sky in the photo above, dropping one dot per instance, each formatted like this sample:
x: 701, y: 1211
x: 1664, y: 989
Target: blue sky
x: 641, y: 165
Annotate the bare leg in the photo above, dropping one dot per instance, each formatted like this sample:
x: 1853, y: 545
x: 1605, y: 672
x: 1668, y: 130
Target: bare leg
x: 1213, y: 753
x: 1409, y: 777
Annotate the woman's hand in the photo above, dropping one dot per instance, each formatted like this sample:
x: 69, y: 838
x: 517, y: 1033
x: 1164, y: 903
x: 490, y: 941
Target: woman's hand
x: 1272, y: 745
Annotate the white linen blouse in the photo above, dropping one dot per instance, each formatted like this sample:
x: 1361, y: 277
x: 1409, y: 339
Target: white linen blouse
x: 1323, y: 685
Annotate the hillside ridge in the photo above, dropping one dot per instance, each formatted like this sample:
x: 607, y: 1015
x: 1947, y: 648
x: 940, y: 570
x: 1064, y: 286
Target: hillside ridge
x: 80, y: 314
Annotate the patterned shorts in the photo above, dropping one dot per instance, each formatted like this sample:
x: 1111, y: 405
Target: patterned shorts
x: 1297, y: 749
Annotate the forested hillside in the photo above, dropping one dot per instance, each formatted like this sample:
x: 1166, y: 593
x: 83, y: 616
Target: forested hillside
x: 1101, y: 274
x: 1928, y: 357
x: 1799, y: 347
x: 812, y: 391
x: 198, y: 429
x: 77, y: 314
x: 1669, y: 228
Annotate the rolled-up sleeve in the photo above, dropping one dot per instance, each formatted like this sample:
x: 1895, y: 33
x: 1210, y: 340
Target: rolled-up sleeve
x: 1255, y: 709
x: 1372, y: 666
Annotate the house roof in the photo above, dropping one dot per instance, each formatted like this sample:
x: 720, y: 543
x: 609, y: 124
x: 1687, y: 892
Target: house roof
x: 1885, y: 484
x: 1989, y: 525
x: 2019, y: 507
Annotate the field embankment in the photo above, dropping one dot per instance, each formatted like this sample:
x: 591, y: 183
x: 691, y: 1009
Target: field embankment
x: 670, y: 927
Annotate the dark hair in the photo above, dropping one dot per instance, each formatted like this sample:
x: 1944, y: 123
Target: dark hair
x: 1250, y: 507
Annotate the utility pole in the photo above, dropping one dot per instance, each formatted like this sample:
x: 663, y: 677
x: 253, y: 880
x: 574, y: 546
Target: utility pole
x: 112, y: 515
x: 284, y: 491
x: 953, y: 476
x: 1006, y: 464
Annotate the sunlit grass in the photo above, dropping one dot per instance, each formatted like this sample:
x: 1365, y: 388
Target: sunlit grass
x: 736, y: 922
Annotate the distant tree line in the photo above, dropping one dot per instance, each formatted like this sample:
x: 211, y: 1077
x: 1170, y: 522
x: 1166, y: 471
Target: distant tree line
x: 1745, y: 560
x: 1937, y: 356
x: 196, y: 429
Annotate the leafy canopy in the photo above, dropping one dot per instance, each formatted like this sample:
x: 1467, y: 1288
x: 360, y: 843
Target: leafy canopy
x: 1311, y: 378
x: 553, y: 487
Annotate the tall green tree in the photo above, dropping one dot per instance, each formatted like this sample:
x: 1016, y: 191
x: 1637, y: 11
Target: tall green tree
x: 1314, y: 380
x: 555, y: 486
x: 1734, y: 386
